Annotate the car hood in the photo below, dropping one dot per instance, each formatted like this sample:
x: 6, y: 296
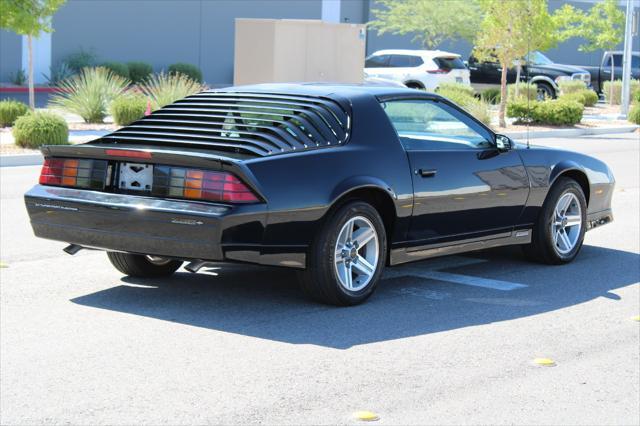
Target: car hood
x: 568, y: 69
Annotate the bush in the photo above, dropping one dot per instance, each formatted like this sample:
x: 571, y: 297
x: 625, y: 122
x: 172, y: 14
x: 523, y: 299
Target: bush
x: 164, y: 89
x: 634, y: 114
x: 118, y: 68
x: 139, y: 71
x: 58, y: 73
x: 10, y: 111
x: 617, y: 90
x: 480, y: 109
x: 81, y: 59
x: 491, y: 95
x: 636, y: 97
x: 19, y: 78
x: 553, y: 112
x: 571, y: 86
x: 586, y: 97
x: 191, y: 71
x: 128, y: 108
x: 40, y: 128
x: 456, y: 87
x: 525, y: 90
x: 90, y: 93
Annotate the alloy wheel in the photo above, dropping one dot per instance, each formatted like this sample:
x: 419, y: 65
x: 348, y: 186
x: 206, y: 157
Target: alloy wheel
x: 567, y: 223
x: 356, y: 253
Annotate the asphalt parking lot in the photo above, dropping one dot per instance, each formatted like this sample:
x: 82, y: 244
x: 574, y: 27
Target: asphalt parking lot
x: 445, y: 341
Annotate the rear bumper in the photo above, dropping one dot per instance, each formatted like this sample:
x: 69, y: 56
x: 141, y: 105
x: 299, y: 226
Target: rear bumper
x: 145, y: 225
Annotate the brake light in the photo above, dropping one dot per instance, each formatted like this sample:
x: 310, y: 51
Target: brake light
x: 127, y: 153
x: 438, y: 71
x: 74, y: 172
x: 200, y: 185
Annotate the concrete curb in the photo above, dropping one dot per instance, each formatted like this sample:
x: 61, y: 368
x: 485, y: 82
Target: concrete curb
x: 36, y: 159
x: 564, y: 133
x: 20, y: 160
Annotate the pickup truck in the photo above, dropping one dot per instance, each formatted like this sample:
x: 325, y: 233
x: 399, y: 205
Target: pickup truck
x: 539, y: 69
x: 602, y: 73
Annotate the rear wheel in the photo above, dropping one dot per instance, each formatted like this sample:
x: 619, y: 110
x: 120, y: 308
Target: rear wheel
x: 347, y: 256
x: 559, y: 232
x: 141, y: 266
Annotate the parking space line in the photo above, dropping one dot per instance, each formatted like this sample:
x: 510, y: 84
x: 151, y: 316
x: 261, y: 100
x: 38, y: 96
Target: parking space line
x: 433, y: 273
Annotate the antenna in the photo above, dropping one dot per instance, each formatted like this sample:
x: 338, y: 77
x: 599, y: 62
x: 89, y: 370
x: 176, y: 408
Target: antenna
x: 527, y: 59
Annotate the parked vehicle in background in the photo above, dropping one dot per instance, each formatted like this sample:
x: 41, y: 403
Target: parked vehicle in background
x: 417, y: 69
x: 602, y: 73
x: 536, y: 68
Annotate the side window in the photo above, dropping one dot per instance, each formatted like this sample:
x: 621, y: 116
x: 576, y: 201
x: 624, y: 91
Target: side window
x: 426, y: 124
x: 380, y: 61
x: 401, y: 61
x: 617, y: 61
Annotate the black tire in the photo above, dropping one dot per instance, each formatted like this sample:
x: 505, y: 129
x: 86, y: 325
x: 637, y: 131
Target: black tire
x: 137, y: 265
x: 542, y: 247
x: 545, y: 91
x: 320, y: 280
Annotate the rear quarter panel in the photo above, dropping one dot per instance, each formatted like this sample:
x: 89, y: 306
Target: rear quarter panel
x: 301, y: 187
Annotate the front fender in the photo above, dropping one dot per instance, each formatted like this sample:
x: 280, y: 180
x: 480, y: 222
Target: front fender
x: 565, y: 166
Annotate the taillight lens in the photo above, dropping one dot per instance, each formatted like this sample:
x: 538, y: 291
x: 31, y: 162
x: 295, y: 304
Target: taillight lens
x: 200, y: 185
x: 74, y: 172
x: 438, y: 71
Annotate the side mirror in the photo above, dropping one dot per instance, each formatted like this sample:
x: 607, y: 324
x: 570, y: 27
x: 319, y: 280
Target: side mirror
x: 503, y: 143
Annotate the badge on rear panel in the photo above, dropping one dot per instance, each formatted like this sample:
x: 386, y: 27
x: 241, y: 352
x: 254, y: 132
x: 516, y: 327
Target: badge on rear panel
x: 136, y: 177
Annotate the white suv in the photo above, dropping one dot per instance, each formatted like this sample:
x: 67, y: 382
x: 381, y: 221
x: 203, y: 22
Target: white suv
x: 418, y: 69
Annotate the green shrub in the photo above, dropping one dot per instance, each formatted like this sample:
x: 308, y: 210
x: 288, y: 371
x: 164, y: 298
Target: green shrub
x: 552, y: 112
x: 634, y: 114
x: 19, y: 78
x: 58, y: 73
x: 480, y: 109
x: 40, y: 128
x: 10, y: 111
x: 636, y: 97
x: 617, y: 90
x: 128, y: 108
x: 118, y: 68
x: 191, y: 71
x: 571, y: 86
x: 491, y: 95
x: 89, y: 93
x: 525, y: 90
x: 164, y: 89
x: 139, y: 71
x: 81, y: 59
x: 585, y: 96
x: 456, y: 87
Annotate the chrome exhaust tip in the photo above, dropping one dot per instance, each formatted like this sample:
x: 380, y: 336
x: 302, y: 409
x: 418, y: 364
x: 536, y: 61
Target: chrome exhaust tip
x: 72, y: 249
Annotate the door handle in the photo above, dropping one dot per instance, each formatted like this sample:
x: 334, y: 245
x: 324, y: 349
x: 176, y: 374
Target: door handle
x: 426, y: 173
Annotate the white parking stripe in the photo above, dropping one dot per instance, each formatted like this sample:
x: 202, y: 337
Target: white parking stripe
x: 432, y: 273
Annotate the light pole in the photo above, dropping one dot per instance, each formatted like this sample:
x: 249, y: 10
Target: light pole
x: 626, y: 62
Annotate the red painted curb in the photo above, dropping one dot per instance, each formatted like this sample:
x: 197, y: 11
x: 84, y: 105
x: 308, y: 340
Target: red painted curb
x: 26, y: 89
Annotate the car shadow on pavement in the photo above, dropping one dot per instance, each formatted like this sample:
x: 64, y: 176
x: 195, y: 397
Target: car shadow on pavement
x: 266, y: 303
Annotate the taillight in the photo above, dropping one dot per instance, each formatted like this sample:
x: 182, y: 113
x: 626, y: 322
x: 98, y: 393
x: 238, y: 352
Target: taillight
x: 438, y: 71
x: 74, y: 172
x: 200, y: 185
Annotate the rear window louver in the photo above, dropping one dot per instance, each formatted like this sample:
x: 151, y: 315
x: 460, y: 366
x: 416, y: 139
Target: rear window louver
x: 250, y: 123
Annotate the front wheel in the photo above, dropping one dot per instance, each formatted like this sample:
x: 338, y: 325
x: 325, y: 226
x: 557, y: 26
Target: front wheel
x: 143, y: 266
x: 544, y: 91
x: 559, y: 233
x: 347, y: 256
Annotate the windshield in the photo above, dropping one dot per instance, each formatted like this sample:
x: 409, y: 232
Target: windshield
x: 537, y: 58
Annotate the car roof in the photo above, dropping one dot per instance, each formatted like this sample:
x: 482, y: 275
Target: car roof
x: 328, y: 89
x: 424, y: 53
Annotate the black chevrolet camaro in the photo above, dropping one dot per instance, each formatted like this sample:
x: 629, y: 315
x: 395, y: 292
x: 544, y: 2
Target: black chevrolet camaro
x: 336, y: 181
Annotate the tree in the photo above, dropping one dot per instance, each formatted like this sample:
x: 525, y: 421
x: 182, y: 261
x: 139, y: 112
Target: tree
x: 508, y: 31
x: 602, y: 27
x: 431, y: 21
x: 30, y: 18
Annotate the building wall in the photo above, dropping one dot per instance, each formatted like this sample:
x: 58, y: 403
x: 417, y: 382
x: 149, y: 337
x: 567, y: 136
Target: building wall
x: 10, y: 54
x: 200, y: 32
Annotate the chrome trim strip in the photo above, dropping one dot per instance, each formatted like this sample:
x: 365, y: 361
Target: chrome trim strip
x: 122, y: 201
